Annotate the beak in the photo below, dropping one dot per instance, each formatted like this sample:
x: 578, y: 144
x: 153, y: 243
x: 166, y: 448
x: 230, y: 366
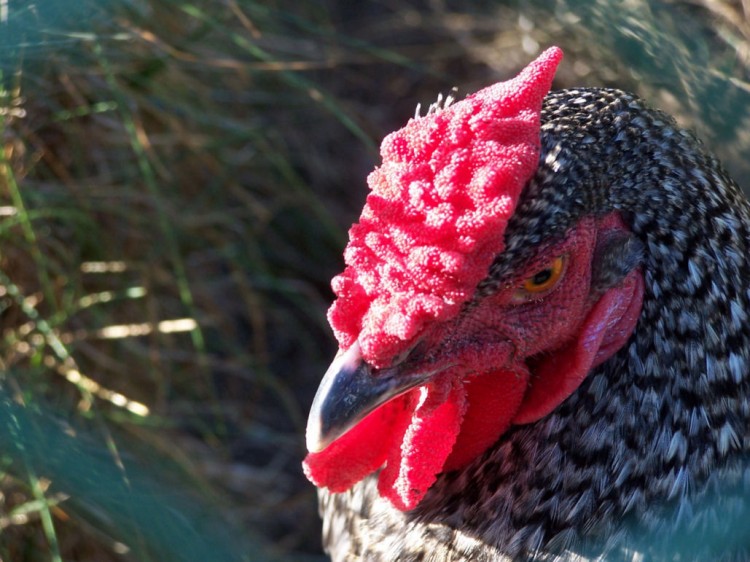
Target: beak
x: 349, y: 391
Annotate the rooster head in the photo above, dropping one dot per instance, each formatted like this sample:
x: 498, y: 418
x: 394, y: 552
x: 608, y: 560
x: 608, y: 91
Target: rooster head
x: 434, y: 366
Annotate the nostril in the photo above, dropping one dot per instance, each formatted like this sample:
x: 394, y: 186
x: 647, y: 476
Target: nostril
x: 401, y: 357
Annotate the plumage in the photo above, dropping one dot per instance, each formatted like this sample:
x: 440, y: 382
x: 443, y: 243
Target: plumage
x: 647, y: 459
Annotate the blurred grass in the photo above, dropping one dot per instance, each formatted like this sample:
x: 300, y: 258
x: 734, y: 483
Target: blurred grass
x: 176, y: 181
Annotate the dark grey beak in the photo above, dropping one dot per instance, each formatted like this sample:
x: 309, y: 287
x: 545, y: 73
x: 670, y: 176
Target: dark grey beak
x: 349, y: 391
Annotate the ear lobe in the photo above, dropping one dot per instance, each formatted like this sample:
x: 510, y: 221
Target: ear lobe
x: 616, y: 254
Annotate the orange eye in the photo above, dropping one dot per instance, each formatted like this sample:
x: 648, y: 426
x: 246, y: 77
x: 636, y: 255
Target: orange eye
x: 543, y: 280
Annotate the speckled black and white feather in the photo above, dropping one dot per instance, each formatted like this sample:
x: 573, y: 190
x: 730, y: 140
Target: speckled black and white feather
x: 648, y: 459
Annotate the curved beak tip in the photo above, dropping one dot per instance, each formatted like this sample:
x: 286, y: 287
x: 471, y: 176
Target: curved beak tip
x: 349, y: 391
x: 312, y: 444
x: 317, y: 437
x: 313, y: 438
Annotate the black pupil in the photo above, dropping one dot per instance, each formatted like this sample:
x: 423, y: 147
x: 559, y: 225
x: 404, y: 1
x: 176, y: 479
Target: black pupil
x: 542, y: 277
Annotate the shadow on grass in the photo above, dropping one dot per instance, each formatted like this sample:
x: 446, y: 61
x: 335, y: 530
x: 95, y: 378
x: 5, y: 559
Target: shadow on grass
x: 149, y: 508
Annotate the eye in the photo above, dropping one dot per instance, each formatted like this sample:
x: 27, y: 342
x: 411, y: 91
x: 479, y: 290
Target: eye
x: 542, y: 281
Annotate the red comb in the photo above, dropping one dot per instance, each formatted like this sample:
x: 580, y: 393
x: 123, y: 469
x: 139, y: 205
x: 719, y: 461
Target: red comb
x: 437, y: 213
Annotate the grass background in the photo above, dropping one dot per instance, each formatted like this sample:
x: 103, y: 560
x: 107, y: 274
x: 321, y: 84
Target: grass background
x: 176, y: 182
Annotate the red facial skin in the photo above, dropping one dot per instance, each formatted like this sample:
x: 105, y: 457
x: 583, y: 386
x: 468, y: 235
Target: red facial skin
x: 514, y: 357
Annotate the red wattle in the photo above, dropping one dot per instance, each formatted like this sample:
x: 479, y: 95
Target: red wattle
x: 493, y: 400
x: 413, y: 467
x: 362, y: 450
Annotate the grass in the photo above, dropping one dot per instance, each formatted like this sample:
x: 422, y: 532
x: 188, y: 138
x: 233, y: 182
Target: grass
x: 176, y: 181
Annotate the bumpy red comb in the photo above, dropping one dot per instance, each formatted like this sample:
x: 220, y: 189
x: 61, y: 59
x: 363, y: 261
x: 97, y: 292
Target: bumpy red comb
x: 437, y: 213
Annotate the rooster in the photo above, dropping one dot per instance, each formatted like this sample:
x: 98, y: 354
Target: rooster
x: 544, y: 340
